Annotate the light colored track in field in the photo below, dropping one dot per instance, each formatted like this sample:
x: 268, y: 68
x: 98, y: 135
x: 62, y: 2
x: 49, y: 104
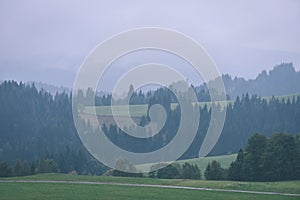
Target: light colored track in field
x: 147, y: 185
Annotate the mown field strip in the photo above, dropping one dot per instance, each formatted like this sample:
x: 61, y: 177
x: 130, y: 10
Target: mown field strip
x: 140, y: 110
x: 148, y: 185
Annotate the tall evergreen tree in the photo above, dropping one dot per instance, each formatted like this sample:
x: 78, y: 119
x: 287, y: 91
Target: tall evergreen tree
x: 190, y: 171
x: 25, y: 168
x: 278, y: 160
x: 235, y: 170
x: 5, y: 169
x: 255, y: 149
x: 214, y: 171
x: 18, y: 168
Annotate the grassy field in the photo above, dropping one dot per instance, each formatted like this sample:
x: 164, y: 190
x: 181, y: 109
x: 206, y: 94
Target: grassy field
x: 10, y: 191
x: 140, y: 110
x: 83, y: 191
x: 136, y: 110
x: 281, y: 186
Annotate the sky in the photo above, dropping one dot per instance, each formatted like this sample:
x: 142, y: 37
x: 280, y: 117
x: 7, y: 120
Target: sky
x: 47, y: 40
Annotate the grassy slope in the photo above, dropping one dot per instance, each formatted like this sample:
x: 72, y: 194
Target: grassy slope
x: 120, y: 110
x: 202, y: 163
x: 140, y: 110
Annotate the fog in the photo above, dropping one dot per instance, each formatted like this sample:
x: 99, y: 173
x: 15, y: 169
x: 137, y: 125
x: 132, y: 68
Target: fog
x: 48, y: 40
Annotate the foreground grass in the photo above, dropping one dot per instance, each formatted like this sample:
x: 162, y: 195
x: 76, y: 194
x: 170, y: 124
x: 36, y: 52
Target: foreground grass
x: 282, y: 186
x: 10, y: 191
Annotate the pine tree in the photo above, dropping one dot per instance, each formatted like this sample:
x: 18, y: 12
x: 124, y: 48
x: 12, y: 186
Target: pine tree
x: 190, y: 171
x: 5, y: 169
x: 255, y: 149
x: 214, y: 171
x: 235, y: 170
x: 279, y: 158
x: 18, y: 168
x: 25, y: 168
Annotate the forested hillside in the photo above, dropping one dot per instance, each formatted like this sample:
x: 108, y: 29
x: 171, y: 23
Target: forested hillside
x: 245, y: 116
x: 35, y: 124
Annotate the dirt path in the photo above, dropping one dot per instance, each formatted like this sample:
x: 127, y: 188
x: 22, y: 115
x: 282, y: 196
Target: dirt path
x: 147, y: 185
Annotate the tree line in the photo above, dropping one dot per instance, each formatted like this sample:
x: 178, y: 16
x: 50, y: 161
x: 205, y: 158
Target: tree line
x: 268, y: 159
x: 69, y: 161
x: 139, y: 97
x: 177, y: 171
x: 275, y: 158
x: 165, y: 171
x: 25, y: 168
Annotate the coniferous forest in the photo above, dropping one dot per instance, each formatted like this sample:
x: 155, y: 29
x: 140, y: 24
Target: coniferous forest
x: 36, y: 126
x: 37, y: 132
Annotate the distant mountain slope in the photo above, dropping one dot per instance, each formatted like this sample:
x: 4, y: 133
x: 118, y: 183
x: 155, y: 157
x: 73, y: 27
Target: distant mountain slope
x: 282, y: 80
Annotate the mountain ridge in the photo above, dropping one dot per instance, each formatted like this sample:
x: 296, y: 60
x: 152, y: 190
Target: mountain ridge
x: 283, y: 79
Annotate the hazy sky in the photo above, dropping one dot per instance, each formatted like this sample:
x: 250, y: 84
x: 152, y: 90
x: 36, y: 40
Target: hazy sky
x: 48, y: 40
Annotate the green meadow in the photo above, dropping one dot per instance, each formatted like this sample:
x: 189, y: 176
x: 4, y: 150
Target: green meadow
x: 17, y: 190
x: 140, y: 110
